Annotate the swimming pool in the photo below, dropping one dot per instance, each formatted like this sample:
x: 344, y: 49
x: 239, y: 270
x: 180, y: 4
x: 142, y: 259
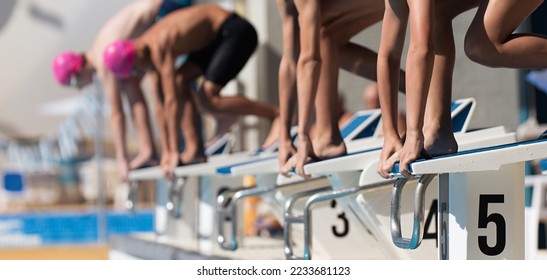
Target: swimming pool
x: 68, y: 227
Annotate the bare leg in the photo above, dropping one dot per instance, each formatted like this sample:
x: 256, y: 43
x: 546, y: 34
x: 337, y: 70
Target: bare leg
x: 328, y: 141
x: 287, y: 79
x: 362, y: 62
x: 419, y: 71
x: 490, y: 40
x: 389, y: 63
x: 210, y: 99
x: 194, y: 151
x: 438, y: 136
x: 160, y: 116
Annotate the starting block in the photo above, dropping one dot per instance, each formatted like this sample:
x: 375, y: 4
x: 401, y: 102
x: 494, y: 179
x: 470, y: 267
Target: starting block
x: 481, y: 201
x: 355, y: 175
x: 219, y: 149
x: 198, y: 223
x: 362, y: 127
x: 461, y: 113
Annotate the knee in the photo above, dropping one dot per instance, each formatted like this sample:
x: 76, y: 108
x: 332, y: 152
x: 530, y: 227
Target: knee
x: 182, y: 81
x: 482, y: 50
x: 326, y: 36
x: 208, y: 102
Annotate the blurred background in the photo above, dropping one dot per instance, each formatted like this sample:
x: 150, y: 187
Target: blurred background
x: 59, y: 186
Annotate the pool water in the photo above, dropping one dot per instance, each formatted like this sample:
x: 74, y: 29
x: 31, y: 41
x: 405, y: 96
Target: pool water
x: 65, y: 227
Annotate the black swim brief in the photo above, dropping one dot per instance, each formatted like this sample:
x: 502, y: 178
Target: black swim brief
x: 222, y: 60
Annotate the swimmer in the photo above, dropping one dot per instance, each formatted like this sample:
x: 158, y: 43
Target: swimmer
x: 77, y: 69
x: 429, y: 89
x: 219, y: 43
x: 316, y: 44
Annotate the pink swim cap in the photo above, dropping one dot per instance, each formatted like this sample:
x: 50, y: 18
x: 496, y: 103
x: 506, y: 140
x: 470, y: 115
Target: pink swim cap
x: 65, y: 65
x: 119, y: 58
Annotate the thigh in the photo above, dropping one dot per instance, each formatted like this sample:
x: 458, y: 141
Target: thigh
x: 497, y: 19
x: 343, y: 19
x: 133, y: 91
x: 238, y: 43
x: 449, y: 9
x: 188, y: 72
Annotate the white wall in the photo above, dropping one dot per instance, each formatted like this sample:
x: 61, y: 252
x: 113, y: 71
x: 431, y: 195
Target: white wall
x: 30, y: 36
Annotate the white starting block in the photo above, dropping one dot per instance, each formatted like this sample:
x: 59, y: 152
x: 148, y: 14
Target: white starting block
x: 354, y: 174
x: 267, y: 169
x: 218, y: 154
x: 462, y: 111
x: 218, y: 149
x: 481, y: 201
x: 199, y: 222
x: 360, y: 128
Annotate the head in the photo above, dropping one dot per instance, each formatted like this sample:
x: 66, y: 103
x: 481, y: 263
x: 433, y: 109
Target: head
x: 119, y: 58
x: 70, y: 69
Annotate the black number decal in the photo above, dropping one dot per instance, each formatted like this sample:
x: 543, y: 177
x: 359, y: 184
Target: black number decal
x: 432, y: 216
x: 497, y: 219
x: 341, y: 216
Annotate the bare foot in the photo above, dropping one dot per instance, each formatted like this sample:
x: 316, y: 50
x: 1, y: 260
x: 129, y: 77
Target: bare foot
x: 440, y: 143
x: 141, y: 161
x: 330, y: 150
x: 273, y: 134
x: 189, y: 157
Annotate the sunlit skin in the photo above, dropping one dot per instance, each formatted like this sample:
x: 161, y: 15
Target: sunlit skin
x: 490, y: 40
x: 429, y: 91
x: 129, y: 22
x: 316, y: 44
x: 182, y: 32
x: 326, y: 35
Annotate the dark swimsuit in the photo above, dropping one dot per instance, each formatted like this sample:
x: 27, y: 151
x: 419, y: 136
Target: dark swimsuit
x: 222, y: 60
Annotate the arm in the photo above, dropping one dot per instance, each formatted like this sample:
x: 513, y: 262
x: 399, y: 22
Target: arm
x: 309, y: 62
x: 420, y: 59
x: 171, y: 109
x: 287, y: 77
x: 117, y: 120
x: 158, y: 108
x: 307, y: 72
x: 389, y: 60
x: 141, y: 121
